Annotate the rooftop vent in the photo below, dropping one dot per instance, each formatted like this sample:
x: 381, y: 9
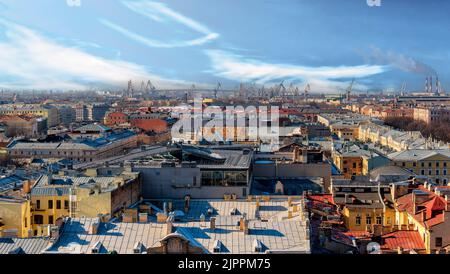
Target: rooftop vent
x: 139, y: 248
x: 97, y: 248
x: 257, y: 246
x: 217, y: 246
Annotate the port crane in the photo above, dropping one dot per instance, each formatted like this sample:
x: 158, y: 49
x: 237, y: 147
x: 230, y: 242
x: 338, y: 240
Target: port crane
x: 349, y: 90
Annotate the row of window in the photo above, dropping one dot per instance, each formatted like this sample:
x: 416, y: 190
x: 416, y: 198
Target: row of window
x: 50, y: 153
x: 378, y: 220
x: 422, y: 164
x: 430, y: 172
x: 50, y: 204
x: 39, y: 219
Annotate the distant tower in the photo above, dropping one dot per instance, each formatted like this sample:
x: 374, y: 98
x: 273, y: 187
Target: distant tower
x: 306, y: 93
x: 431, y: 84
x: 130, y: 89
x: 437, y: 86
x: 426, y: 85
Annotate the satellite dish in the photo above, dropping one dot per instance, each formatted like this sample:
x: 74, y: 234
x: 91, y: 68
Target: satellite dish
x: 373, y: 248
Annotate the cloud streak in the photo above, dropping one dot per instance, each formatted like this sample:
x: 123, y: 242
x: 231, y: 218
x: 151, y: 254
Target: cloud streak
x: 32, y: 61
x: 399, y: 61
x: 160, y: 13
x: 236, y: 67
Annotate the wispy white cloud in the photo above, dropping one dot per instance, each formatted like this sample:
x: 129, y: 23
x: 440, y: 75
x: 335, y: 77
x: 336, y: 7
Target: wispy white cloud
x: 160, y: 13
x: 32, y: 61
x: 400, y: 61
x: 236, y: 67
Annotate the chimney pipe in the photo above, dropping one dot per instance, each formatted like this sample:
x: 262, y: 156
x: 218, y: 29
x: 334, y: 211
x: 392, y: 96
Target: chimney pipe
x: 26, y: 187
x: 212, y: 223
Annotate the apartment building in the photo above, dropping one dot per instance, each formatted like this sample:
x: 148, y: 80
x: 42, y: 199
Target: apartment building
x: 53, y: 197
x: 81, y: 150
x: 433, y: 164
x: 47, y: 111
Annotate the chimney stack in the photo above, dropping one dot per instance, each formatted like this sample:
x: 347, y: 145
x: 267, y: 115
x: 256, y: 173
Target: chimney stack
x: 212, y: 223
x: 26, y: 187
x: 243, y: 225
x: 187, y: 201
x: 169, y: 225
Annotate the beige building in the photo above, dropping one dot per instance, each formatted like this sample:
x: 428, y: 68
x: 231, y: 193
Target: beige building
x: 54, y: 197
x: 49, y: 112
x: 81, y: 151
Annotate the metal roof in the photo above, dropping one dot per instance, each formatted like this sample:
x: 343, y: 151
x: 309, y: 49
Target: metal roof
x: 277, y: 233
x: 28, y: 245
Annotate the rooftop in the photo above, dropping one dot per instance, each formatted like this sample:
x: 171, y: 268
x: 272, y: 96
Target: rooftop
x: 277, y: 233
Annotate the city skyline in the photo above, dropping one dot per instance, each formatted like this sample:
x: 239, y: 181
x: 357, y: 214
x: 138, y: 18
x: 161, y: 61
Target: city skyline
x: 61, y: 45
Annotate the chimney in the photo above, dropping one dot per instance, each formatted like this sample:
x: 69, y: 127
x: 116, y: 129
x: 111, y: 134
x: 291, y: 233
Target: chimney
x: 169, y: 225
x: 400, y: 250
x: 212, y: 223
x: 279, y: 188
x: 26, y: 187
x: 423, y: 216
x: 296, y: 154
x: 93, y: 229
x: 447, y: 202
x: 187, y: 201
x: 377, y: 230
x: 243, y: 226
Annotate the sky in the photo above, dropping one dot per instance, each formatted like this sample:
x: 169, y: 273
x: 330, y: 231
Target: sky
x: 96, y: 44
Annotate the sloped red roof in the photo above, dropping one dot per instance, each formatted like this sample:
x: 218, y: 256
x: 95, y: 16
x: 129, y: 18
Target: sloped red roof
x: 323, y: 198
x: 434, y: 206
x: 358, y: 234
x: 403, y: 239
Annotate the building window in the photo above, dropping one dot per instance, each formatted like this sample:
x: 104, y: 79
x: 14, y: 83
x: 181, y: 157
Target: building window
x: 438, y: 242
x: 66, y: 204
x: 50, y: 204
x: 422, y: 164
x: 414, y: 164
x: 358, y: 220
x: 38, y: 219
x: 368, y: 219
x: 379, y: 220
x: 437, y: 171
x: 50, y: 219
x: 38, y: 204
x: 58, y: 204
x: 388, y: 220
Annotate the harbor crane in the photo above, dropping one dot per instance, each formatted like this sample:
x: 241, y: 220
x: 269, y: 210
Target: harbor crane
x: 349, y: 90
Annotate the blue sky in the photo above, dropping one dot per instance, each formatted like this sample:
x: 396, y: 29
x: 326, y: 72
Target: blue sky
x: 80, y: 44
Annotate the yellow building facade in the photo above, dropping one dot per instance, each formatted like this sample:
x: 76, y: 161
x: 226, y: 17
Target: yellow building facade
x: 435, y: 166
x: 360, y: 218
x: 15, y: 217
